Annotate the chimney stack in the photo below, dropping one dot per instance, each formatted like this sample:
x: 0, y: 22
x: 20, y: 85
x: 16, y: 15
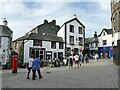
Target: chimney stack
x: 95, y: 34
x: 54, y: 21
x: 5, y: 22
x: 45, y: 21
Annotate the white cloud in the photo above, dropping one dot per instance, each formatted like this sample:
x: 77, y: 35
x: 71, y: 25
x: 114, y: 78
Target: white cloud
x: 22, y: 19
x: 105, y: 5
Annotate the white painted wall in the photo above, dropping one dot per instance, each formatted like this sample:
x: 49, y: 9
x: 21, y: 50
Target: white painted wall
x: 75, y: 34
x: 106, y: 37
x: 27, y: 45
x: 5, y: 42
x: 45, y: 44
x: 61, y: 32
x: 115, y: 38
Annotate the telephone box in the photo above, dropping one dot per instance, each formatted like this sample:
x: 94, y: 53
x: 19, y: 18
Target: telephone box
x: 14, y: 63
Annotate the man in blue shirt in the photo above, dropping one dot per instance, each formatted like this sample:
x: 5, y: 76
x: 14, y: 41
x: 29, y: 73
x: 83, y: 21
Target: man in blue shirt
x: 36, y: 66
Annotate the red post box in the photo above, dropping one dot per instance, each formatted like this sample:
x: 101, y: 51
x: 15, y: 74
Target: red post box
x: 14, y: 63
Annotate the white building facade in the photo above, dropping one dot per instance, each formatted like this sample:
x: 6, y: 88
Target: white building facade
x: 5, y: 45
x: 73, y: 34
x: 45, y: 49
x: 105, y: 43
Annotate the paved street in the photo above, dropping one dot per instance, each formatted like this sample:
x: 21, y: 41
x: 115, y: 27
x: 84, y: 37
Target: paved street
x: 96, y: 74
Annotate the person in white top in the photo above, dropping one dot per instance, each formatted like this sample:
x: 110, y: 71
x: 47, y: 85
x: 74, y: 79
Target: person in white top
x: 76, y: 57
x: 96, y: 57
x: 30, y: 64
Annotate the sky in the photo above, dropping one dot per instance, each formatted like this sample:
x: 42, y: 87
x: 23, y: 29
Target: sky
x: 24, y: 15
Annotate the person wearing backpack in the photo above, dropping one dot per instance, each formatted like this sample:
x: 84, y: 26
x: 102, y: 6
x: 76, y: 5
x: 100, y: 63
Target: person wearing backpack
x: 76, y: 57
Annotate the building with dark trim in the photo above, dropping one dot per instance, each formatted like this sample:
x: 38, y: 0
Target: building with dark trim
x: 105, y: 44
x: 73, y: 34
x: 42, y: 41
x: 91, y: 45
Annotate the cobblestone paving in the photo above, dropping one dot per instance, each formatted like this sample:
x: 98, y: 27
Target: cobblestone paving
x: 96, y: 74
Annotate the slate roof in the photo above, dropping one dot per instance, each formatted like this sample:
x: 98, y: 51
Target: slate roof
x: 6, y: 31
x: 47, y: 27
x: 94, y: 40
x: 108, y: 31
x: 37, y: 36
x: 73, y: 20
x: 88, y: 40
x: 91, y: 40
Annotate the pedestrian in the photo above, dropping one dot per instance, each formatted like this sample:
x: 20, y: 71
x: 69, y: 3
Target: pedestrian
x: 96, y: 57
x: 76, y: 57
x: 36, y: 67
x: 70, y: 61
x: 80, y: 59
x: 30, y: 63
x: 86, y: 58
x: 106, y: 55
x: 64, y: 61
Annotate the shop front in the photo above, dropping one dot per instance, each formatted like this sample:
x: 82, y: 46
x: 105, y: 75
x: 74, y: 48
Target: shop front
x: 105, y: 52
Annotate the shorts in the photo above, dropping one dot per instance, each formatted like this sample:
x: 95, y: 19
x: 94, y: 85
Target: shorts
x: 76, y: 62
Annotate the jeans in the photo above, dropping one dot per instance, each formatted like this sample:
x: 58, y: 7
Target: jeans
x: 34, y: 74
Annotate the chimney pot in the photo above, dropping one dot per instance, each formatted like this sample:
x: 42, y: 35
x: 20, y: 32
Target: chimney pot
x: 5, y: 22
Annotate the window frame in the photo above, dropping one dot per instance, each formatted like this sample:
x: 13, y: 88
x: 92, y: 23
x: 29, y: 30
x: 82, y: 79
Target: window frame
x: 70, y: 39
x: 104, y: 42
x: 72, y: 28
x: 80, y: 30
x: 37, y: 43
x: 53, y: 45
x: 80, y: 40
x: 61, y: 46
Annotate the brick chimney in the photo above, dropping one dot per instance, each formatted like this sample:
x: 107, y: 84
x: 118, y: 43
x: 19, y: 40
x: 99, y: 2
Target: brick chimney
x: 45, y: 21
x: 54, y: 22
x: 95, y: 34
